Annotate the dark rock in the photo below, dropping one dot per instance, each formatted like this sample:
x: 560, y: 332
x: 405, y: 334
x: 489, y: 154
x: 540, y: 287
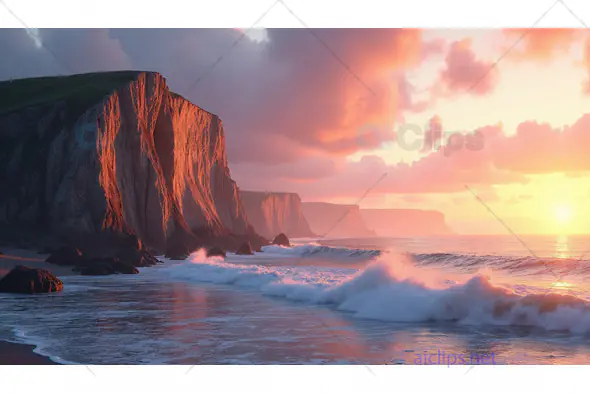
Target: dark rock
x: 138, y: 258
x: 97, y: 269
x: 22, y: 279
x: 215, y: 252
x: 132, y: 251
x: 124, y: 268
x: 181, y: 244
x: 245, y: 249
x: 105, y: 266
x: 281, y: 240
x: 66, y: 256
x: 47, y: 250
x: 177, y: 251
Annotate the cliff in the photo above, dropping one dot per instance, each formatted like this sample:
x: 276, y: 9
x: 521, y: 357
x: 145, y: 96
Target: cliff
x: 114, y: 152
x: 405, y: 222
x: 271, y: 213
x: 335, y: 221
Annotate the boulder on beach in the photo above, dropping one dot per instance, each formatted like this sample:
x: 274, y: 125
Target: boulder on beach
x: 245, y: 249
x: 66, y: 256
x: 215, y: 252
x: 22, y: 279
x: 281, y: 240
x: 122, y: 254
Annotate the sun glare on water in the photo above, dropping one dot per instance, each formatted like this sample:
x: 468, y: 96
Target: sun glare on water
x: 561, y: 284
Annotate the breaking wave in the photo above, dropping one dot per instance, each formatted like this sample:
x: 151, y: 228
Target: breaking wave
x: 393, y: 288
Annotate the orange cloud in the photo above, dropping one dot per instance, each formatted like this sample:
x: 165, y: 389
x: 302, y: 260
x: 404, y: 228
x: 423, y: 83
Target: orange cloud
x: 540, y: 43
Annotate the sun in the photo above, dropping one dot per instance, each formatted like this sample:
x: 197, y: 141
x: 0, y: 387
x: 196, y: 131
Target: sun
x: 563, y: 214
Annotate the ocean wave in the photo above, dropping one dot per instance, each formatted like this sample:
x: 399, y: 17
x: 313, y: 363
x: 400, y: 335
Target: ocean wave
x: 393, y: 288
x: 528, y: 264
x: 320, y: 251
x: 462, y: 262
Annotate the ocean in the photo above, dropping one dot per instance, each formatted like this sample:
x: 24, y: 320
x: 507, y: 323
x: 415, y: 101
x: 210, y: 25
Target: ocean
x: 439, y: 300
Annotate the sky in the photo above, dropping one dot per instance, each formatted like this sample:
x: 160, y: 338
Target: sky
x: 477, y: 124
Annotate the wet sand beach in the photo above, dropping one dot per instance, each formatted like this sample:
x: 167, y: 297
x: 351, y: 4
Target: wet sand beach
x: 21, y: 354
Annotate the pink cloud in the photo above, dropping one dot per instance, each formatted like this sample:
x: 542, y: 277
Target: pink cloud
x: 539, y: 148
x: 500, y: 159
x: 463, y: 72
x: 586, y: 62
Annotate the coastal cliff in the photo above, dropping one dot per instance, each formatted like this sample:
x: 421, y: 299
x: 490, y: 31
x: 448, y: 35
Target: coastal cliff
x: 271, y: 213
x: 335, y: 221
x: 406, y: 222
x: 114, y: 152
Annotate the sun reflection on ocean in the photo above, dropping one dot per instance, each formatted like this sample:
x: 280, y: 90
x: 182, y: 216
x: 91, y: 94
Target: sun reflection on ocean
x: 561, y: 284
x: 562, y: 249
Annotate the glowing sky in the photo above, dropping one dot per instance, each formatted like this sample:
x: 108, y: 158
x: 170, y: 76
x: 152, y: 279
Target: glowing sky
x: 544, y: 87
x: 325, y: 123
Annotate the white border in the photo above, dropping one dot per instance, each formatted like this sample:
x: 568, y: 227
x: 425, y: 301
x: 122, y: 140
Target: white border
x: 316, y: 13
x: 296, y: 379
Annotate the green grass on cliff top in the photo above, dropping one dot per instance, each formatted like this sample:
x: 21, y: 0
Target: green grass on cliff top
x: 83, y: 89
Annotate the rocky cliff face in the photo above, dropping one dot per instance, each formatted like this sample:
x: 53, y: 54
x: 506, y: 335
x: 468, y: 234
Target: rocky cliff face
x: 131, y: 158
x: 335, y: 221
x: 405, y: 222
x: 271, y: 213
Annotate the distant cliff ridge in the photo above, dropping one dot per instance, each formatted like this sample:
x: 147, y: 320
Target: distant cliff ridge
x: 271, y: 213
x: 335, y: 221
x: 405, y: 222
x: 115, y: 151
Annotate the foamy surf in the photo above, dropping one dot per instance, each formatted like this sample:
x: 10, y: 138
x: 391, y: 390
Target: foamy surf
x: 393, y: 288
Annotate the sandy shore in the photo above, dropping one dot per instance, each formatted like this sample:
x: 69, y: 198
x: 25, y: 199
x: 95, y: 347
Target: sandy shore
x: 12, y: 257
x: 21, y: 354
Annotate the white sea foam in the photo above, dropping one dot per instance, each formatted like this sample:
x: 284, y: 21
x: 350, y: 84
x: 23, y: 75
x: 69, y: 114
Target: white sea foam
x: 392, y: 289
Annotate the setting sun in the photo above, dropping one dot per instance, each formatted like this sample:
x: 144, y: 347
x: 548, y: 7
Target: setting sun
x: 563, y: 214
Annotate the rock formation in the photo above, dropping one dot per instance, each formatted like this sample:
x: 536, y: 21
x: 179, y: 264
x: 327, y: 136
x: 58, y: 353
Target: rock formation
x: 115, y: 153
x: 281, y: 240
x: 245, y: 249
x: 405, y: 222
x: 21, y: 279
x: 215, y: 252
x: 271, y: 213
x: 331, y: 220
